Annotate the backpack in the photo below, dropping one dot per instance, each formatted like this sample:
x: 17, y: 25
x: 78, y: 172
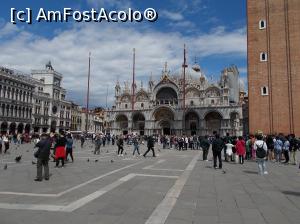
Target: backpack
x: 260, y: 151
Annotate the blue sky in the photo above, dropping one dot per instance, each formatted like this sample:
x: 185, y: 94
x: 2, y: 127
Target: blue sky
x: 214, y: 31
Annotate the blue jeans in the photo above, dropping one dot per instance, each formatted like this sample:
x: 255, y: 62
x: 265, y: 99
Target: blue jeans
x: 136, y: 148
x: 278, y: 155
x: 261, y: 165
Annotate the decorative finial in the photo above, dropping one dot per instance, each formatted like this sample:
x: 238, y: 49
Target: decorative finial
x: 141, y: 84
x: 166, y: 67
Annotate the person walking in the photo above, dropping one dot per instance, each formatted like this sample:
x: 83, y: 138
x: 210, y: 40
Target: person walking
x: 42, y: 155
x: 69, y: 147
x: 229, y: 153
x: 241, y: 149
x: 217, y: 147
x: 120, y: 144
x: 135, y: 145
x: 98, y: 142
x: 205, y: 147
x: 278, y: 144
x: 261, y: 153
x: 249, y: 147
x: 286, y: 150
x: 60, y: 152
x: 150, y: 145
x: 82, y: 140
x: 295, y: 146
x: 5, y: 140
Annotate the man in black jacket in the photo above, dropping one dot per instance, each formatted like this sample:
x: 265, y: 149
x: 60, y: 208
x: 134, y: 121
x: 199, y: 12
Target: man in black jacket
x: 205, y: 147
x: 150, y: 145
x: 217, y: 147
x: 42, y: 155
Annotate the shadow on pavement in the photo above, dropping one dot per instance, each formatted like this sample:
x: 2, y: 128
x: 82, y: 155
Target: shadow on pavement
x: 293, y: 193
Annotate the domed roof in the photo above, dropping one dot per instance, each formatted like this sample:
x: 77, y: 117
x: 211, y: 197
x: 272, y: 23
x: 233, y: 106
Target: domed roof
x: 190, y: 72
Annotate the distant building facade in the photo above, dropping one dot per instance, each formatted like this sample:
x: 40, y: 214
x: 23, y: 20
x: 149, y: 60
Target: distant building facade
x: 16, y: 102
x: 33, y: 103
x: 159, y: 108
x: 274, y: 66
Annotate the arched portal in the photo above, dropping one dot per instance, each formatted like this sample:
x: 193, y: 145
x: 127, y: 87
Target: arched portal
x: 20, y: 128
x: 164, y: 118
x: 139, y: 123
x: 4, y: 127
x: 191, y: 123
x: 12, y: 128
x: 213, y: 122
x: 27, y: 128
x: 122, y: 123
x: 167, y: 95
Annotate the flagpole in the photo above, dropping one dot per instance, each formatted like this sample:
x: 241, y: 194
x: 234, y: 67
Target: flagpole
x: 88, y: 95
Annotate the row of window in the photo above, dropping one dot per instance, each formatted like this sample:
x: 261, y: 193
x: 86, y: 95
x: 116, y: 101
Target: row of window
x: 12, y: 83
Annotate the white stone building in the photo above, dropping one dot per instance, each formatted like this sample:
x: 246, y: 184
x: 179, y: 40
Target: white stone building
x: 159, y: 108
x: 16, y: 102
x: 52, y: 112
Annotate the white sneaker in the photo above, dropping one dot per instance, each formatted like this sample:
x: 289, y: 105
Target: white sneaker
x: 122, y: 155
x: 266, y: 172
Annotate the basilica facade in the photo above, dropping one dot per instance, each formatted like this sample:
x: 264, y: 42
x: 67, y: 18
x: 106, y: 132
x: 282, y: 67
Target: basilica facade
x: 161, y: 108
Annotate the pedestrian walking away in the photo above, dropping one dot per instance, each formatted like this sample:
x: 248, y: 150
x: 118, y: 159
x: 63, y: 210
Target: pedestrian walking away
x: 42, y: 155
x: 69, y: 147
x: 150, y: 145
x: 261, y: 152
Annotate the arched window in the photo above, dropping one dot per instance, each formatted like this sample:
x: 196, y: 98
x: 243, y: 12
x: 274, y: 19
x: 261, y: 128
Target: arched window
x: 263, y: 56
x: 192, y: 103
x: 142, y: 105
x: 262, y: 24
x: 126, y: 106
x: 264, y: 91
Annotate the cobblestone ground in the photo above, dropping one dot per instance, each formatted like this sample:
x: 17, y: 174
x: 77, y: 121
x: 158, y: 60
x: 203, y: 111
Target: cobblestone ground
x: 174, y: 187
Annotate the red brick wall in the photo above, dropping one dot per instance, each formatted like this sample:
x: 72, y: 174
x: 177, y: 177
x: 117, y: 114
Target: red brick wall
x: 279, y: 111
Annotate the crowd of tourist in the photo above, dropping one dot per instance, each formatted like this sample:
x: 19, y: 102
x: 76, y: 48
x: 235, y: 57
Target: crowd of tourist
x: 259, y: 148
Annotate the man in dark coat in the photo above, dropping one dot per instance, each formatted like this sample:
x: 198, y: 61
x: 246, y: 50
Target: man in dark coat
x: 150, y: 145
x: 217, y: 147
x: 42, y: 155
x: 205, y: 147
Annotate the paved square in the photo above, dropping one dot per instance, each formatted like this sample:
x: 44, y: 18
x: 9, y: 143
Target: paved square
x: 175, y: 187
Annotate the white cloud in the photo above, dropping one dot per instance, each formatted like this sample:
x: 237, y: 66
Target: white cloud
x: 174, y: 16
x: 111, y: 46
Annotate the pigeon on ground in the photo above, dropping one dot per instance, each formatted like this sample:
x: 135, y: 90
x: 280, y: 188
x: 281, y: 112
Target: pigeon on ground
x: 5, y: 166
x: 18, y: 158
x: 125, y: 153
x: 88, y: 160
x: 111, y: 161
x: 224, y: 171
x: 96, y: 160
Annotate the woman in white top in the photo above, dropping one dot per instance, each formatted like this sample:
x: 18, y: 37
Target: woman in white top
x: 261, y: 152
x: 228, y: 151
x: 6, y: 143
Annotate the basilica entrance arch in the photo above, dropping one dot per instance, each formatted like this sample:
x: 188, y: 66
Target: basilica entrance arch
x: 213, y: 122
x: 164, y: 119
x: 139, y: 123
x: 122, y: 123
x: 191, y: 123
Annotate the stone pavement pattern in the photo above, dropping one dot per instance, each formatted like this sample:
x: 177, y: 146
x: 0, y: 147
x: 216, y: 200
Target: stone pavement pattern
x: 175, y: 187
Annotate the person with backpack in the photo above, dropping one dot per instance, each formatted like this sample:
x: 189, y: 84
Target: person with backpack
x: 261, y: 153
x: 278, y: 144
